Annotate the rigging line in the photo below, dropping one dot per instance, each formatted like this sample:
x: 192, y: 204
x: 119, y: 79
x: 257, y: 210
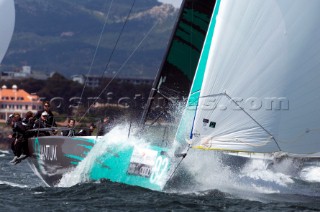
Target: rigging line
x: 117, y: 41
x: 249, y: 116
x: 166, y: 97
x: 96, y: 51
x: 116, y: 44
x: 129, y: 131
x: 157, y: 118
x: 165, y: 136
x: 183, y: 157
x: 167, y: 89
x: 213, y: 95
x: 125, y: 62
x: 194, y: 92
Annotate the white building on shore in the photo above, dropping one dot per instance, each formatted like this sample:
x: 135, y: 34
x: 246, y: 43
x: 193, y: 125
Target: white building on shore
x: 17, y: 100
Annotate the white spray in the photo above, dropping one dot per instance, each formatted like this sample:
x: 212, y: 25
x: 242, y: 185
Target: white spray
x: 118, y: 135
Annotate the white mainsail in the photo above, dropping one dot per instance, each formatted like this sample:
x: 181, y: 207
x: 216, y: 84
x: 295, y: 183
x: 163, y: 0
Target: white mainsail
x: 7, y: 18
x: 261, y: 88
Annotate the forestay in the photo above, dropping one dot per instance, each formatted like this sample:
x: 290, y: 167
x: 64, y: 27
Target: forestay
x: 261, y: 87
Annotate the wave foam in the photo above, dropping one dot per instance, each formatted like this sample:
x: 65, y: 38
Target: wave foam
x: 115, y: 136
x: 310, y: 174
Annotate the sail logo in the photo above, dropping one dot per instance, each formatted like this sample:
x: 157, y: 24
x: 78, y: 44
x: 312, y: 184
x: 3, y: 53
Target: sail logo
x: 48, y: 152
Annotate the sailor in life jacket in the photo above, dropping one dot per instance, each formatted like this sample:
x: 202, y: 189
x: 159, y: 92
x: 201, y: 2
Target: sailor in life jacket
x: 71, y: 131
x: 42, y: 123
x: 19, y: 139
x: 50, y: 122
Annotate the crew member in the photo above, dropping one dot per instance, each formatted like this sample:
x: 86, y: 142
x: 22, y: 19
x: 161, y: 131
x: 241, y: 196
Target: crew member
x: 84, y: 132
x: 50, y: 122
x: 42, y: 123
x: 71, y: 131
x: 19, y: 139
x: 105, y: 127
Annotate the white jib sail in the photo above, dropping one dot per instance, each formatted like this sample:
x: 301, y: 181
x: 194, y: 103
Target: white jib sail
x: 7, y: 18
x: 261, y: 89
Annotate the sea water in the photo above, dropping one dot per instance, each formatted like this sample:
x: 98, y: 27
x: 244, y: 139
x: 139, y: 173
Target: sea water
x: 203, y: 181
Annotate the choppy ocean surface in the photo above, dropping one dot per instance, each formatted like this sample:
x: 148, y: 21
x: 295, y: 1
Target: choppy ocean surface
x: 204, y: 186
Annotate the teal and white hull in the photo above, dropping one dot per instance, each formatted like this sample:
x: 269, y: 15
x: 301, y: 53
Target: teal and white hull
x: 146, y: 167
x: 52, y: 157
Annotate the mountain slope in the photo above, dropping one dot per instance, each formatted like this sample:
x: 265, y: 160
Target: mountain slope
x: 62, y: 36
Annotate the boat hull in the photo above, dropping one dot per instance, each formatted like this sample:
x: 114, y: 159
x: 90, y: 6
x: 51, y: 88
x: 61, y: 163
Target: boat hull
x: 53, y: 156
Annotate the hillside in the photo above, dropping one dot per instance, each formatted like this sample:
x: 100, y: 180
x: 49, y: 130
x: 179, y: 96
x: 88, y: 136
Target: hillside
x: 62, y: 36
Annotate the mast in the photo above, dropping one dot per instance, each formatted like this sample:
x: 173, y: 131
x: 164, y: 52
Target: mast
x: 174, y: 78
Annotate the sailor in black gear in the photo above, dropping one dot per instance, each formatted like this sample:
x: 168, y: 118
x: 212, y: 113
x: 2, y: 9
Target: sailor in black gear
x: 19, y: 140
x: 42, y: 123
x: 70, y: 131
x: 50, y: 122
x: 87, y: 132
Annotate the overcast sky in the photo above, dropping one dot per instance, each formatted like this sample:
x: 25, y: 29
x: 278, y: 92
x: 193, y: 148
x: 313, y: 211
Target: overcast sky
x: 175, y: 3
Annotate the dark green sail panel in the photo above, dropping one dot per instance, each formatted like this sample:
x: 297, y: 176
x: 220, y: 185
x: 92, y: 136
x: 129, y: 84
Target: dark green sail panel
x: 177, y: 71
